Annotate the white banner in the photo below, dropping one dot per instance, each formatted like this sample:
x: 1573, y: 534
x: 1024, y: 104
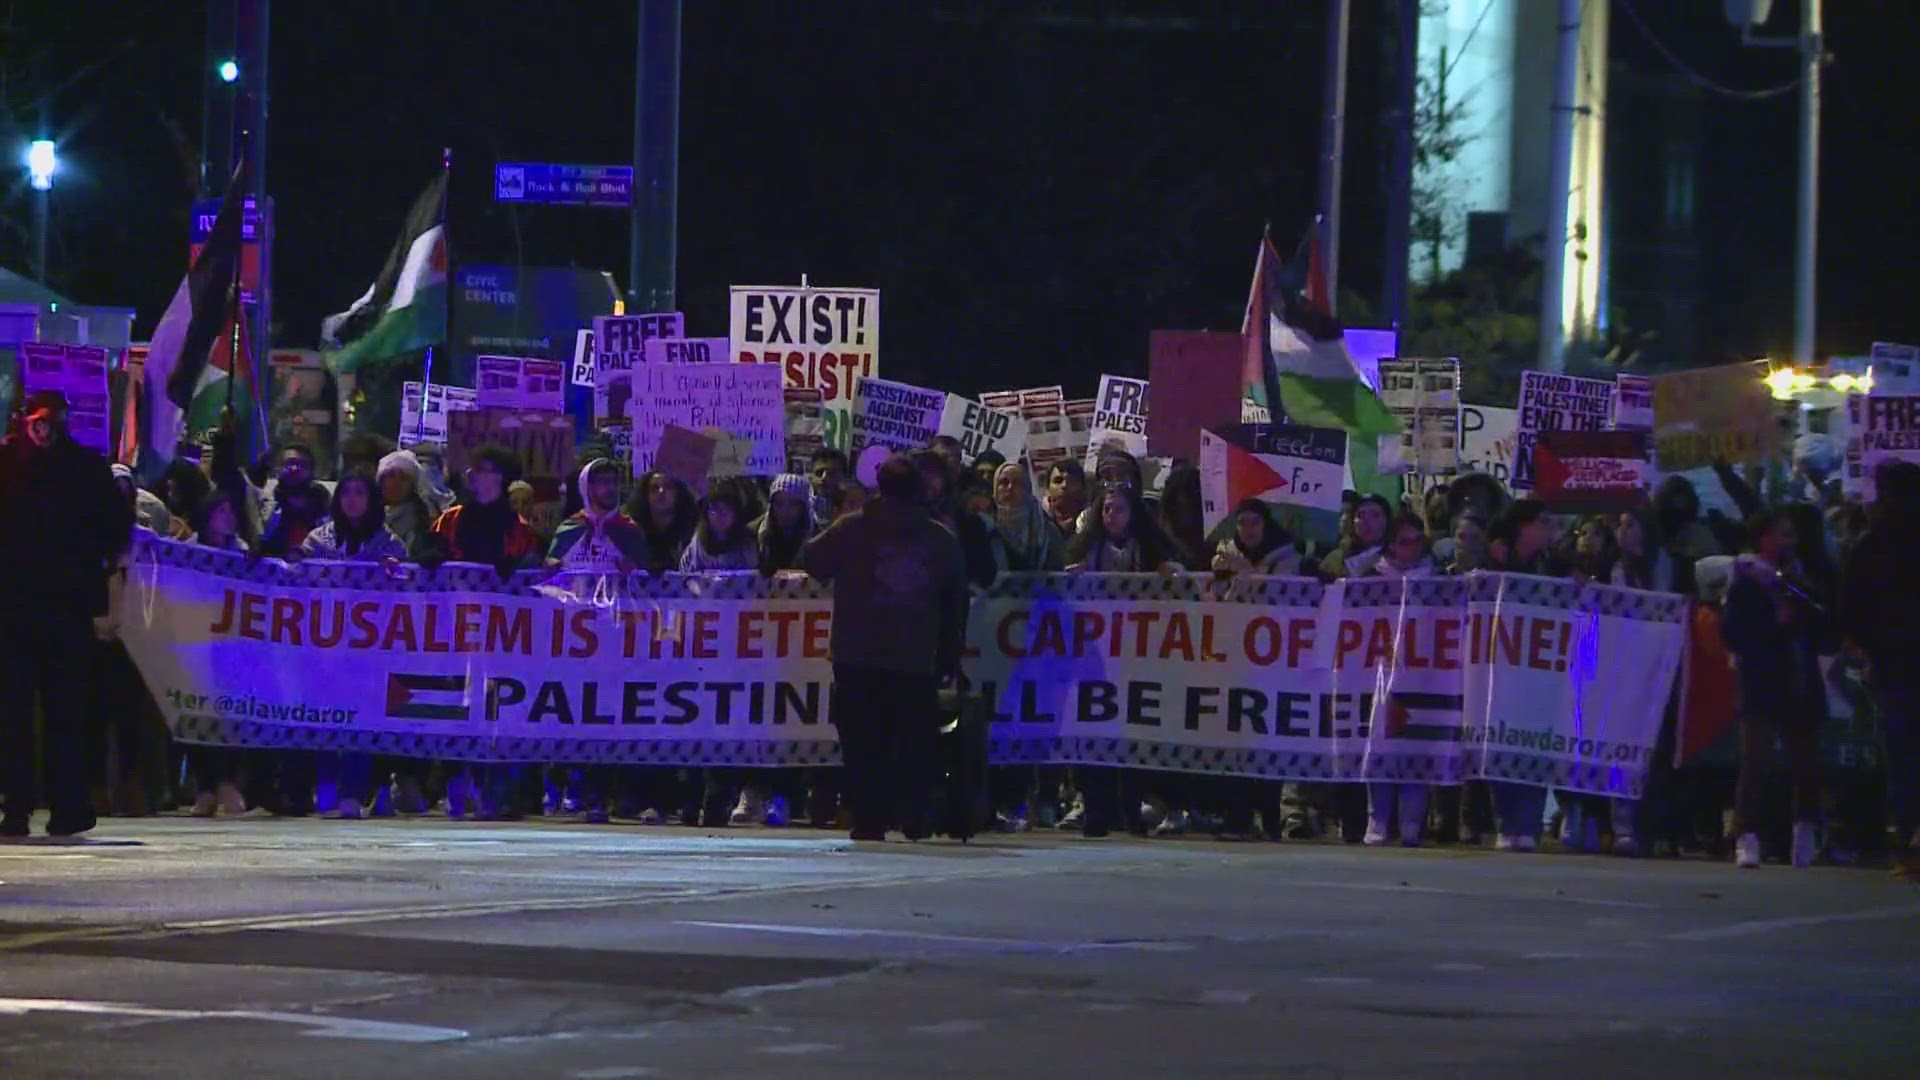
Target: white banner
x: 894, y: 415
x: 821, y: 338
x: 981, y: 429
x: 1119, y: 419
x: 428, y: 424
x: 1432, y: 680
x: 1555, y: 403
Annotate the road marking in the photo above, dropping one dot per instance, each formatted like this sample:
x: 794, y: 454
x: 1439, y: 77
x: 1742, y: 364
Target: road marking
x: 798, y: 1049
x: 1768, y: 926
x: 324, y: 1027
x: 949, y: 1027
x: 1428, y: 890
x: 944, y: 939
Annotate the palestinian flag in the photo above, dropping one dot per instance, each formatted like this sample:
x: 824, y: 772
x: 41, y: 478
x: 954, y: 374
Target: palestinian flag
x: 202, y: 310
x: 405, y: 309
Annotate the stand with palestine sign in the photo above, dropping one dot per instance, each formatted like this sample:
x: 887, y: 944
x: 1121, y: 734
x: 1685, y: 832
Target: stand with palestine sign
x: 826, y: 339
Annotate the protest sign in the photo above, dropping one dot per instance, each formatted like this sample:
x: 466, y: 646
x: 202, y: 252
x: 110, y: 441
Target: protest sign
x: 1487, y: 436
x: 732, y: 455
x: 78, y: 373
x: 685, y: 455
x: 1281, y: 464
x: 1555, y: 403
x: 1424, y: 395
x: 619, y: 346
x: 427, y: 422
x: 1896, y: 368
x: 1437, y: 680
x: 619, y: 437
x: 1198, y: 383
x: 894, y: 415
x: 1717, y: 413
x: 1884, y: 428
x: 679, y: 350
x: 981, y: 429
x: 581, y: 373
x: 1632, y: 403
x: 806, y: 427
x: 1078, y: 414
x: 821, y: 338
x: 1044, y: 409
x: 741, y: 399
x: 520, y: 382
x: 542, y: 440
x: 1591, y: 472
x: 1119, y: 418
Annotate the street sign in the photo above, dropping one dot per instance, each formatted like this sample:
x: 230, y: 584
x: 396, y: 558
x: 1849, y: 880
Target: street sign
x: 564, y: 185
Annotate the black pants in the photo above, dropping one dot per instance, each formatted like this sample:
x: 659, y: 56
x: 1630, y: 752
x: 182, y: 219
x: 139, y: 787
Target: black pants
x: 49, y: 661
x: 1796, y: 724
x: 887, y: 722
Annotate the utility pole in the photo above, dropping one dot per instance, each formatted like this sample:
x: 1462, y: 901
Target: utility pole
x: 252, y: 50
x: 1553, y: 272
x: 1400, y: 162
x: 1807, y: 241
x: 1333, y: 142
x: 656, y: 158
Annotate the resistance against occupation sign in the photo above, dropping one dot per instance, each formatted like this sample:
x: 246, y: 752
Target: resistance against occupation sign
x: 1555, y: 403
x: 823, y: 338
x: 894, y: 415
x: 1424, y: 680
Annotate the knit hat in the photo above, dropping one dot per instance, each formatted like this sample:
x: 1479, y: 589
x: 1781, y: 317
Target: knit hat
x: 790, y: 484
x: 399, y: 461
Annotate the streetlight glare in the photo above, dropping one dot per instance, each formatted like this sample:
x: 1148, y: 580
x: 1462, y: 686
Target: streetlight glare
x: 42, y: 163
x: 229, y: 71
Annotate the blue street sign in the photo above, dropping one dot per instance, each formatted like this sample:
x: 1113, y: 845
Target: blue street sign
x: 564, y: 185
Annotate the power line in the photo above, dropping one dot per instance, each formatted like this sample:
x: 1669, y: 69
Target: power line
x: 1694, y: 76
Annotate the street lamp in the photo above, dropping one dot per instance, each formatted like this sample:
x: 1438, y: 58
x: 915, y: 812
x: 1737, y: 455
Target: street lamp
x: 229, y: 71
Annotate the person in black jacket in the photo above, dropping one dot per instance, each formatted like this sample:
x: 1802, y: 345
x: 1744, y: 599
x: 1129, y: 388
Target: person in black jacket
x: 1879, y: 615
x: 63, y: 525
x: 937, y: 483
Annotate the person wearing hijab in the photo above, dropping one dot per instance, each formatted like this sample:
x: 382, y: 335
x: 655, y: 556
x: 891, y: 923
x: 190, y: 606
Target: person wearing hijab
x: 483, y: 527
x: 665, y: 511
x: 1027, y: 536
x: 598, y: 538
x: 787, y: 525
x: 1259, y: 544
x: 723, y: 540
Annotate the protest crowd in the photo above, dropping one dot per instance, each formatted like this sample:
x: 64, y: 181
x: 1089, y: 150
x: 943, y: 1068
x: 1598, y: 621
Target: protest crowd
x: 1794, y: 579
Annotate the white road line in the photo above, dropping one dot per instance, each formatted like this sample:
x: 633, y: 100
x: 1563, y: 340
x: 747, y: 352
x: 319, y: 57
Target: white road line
x: 944, y: 939
x: 1428, y: 890
x: 325, y: 1027
x: 1768, y: 926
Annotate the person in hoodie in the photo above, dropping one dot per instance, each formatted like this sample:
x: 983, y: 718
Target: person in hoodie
x: 723, y: 540
x: 1391, y: 804
x: 483, y: 528
x: 63, y: 525
x: 356, y: 528
x: 1879, y: 614
x: 1028, y: 539
x: 666, y: 513
x: 299, y: 504
x: 1776, y: 629
x: 409, y: 514
x: 1259, y: 545
x: 786, y: 526
x: 599, y: 537
x: 900, y: 613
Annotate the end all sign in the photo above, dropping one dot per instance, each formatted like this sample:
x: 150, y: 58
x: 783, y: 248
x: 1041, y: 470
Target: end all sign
x: 564, y: 185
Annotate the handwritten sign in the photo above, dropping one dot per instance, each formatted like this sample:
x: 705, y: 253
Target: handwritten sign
x: 742, y: 399
x: 679, y: 350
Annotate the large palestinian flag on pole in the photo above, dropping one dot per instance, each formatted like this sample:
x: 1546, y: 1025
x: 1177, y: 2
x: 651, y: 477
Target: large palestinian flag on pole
x: 179, y: 370
x: 405, y: 309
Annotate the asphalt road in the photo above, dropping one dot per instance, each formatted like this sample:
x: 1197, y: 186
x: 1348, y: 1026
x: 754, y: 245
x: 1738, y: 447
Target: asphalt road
x: 177, y: 948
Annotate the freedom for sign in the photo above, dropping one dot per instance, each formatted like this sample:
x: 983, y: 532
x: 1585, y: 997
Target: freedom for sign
x: 822, y: 338
x: 895, y: 415
x: 1555, y: 403
x: 1428, y: 680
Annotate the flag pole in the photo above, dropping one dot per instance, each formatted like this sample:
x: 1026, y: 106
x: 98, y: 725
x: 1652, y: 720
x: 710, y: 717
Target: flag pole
x: 426, y: 377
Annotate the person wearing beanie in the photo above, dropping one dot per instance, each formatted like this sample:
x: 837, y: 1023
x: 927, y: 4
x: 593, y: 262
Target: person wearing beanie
x: 409, y: 513
x: 599, y: 537
x: 787, y: 524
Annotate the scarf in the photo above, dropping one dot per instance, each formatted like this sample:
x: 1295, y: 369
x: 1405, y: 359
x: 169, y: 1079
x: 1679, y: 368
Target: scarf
x: 1024, y: 530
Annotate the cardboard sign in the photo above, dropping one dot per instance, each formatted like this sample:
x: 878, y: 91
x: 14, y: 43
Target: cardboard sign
x: 619, y: 346
x: 520, y: 382
x: 1424, y: 394
x: 1281, y: 464
x: 1198, y: 384
x: 1119, y: 418
x: 543, y: 440
x: 1044, y: 409
x: 1555, y: 403
x: 679, y: 350
x: 427, y: 422
x: 826, y: 339
x: 894, y: 415
x: 741, y: 399
x: 685, y: 455
x: 1632, y: 403
x: 806, y: 427
x: 981, y: 429
x: 1723, y: 412
x: 78, y: 373
x: 1592, y: 472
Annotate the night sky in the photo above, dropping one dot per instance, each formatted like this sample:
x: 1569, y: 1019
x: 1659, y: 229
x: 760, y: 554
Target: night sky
x: 1033, y: 186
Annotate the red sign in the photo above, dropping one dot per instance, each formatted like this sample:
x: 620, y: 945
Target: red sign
x: 1591, y: 472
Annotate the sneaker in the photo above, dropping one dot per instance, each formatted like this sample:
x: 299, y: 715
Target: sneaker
x: 1376, y: 830
x: 205, y: 804
x: 1075, y: 818
x: 650, y: 816
x: 1626, y: 847
x: 1806, y: 844
x: 231, y: 802
x: 776, y: 812
x: 748, y: 810
x: 1174, y: 824
x: 1746, y: 851
x: 1503, y: 842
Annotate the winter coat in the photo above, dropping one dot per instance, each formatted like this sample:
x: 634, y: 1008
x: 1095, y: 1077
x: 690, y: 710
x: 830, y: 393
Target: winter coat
x: 598, y: 542
x: 1779, y: 663
x: 63, y: 525
x: 1879, y: 607
x: 326, y: 542
x: 740, y: 553
x: 899, y: 589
